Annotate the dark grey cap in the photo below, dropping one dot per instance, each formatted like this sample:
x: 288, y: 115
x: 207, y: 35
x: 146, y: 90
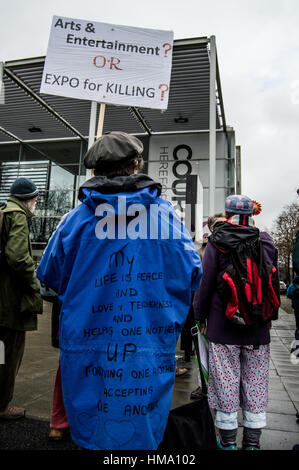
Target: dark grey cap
x: 113, y: 147
x: 24, y: 189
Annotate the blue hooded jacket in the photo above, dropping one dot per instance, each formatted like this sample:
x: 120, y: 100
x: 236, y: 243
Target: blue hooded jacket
x: 124, y: 284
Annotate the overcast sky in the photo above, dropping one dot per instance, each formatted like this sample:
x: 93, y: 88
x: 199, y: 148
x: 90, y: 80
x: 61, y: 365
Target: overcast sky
x: 258, y: 51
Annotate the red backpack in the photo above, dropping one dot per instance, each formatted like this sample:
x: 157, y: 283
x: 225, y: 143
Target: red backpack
x: 250, y: 286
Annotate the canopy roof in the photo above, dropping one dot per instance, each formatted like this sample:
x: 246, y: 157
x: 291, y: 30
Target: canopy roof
x: 28, y: 116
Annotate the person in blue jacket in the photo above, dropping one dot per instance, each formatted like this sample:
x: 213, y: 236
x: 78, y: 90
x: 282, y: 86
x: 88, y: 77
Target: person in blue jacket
x: 124, y: 267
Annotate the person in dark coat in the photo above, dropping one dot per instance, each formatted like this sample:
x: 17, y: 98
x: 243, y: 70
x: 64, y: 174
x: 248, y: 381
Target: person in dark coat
x: 20, y: 299
x: 235, y: 366
x: 119, y: 290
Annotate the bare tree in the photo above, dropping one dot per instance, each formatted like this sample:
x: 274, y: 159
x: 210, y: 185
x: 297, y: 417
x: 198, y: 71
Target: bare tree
x: 50, y: 208
x: 284, y: 234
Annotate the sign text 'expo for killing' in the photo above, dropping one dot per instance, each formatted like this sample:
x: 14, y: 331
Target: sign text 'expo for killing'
x: 108, y: 63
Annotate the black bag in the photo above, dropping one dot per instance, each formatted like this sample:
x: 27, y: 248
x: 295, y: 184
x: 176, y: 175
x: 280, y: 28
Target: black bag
x: 190, y: 427
x: 250, y: 283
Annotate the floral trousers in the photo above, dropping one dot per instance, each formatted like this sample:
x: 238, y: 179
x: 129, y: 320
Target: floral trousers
x: 238, y: 376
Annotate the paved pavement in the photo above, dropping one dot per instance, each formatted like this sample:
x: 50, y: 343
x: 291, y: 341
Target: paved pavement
x: 35, y: 382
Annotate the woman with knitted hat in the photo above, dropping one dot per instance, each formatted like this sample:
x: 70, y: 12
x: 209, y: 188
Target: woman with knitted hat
x: 238, y: 357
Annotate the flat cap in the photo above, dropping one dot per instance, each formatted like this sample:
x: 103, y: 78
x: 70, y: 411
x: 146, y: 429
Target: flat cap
x: 113, y: 147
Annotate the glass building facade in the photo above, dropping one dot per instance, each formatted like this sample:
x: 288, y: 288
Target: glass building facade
x: 57, y: 179
x: 58, y: 171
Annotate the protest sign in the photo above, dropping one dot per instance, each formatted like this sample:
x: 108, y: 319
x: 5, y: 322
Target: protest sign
x: 108, y: 63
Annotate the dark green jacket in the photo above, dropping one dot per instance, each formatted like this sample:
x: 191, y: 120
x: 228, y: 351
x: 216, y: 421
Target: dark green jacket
x: 20, y: 299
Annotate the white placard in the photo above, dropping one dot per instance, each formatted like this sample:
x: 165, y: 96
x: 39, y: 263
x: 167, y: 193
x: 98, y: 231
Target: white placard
x: 108, y: 63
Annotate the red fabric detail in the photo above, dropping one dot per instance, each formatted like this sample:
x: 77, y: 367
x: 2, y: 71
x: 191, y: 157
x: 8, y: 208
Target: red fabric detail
x: 271, y: 303
x: 258, y: 284
x: 249, y: 270
x: 233, y: 303
x: 247, y: 290
x: 58, y: 415
x: 247, y: 287
x: 220, y: 249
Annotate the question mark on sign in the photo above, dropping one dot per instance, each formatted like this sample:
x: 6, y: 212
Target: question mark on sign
x: 167, y: 49
x: 166, y: 88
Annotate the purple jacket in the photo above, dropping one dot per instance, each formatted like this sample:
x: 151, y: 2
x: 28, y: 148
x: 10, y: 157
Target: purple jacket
x: 209, y: 306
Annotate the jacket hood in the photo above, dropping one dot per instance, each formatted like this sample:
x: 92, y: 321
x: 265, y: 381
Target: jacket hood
x: 227, y: 236
x: 135, y: 189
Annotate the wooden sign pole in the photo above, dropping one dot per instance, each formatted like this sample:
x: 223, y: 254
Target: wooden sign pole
x: 89, y: 173
x: 101, y: 120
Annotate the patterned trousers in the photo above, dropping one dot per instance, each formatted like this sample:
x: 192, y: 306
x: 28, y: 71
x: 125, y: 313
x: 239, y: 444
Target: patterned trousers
x: 238, y: 376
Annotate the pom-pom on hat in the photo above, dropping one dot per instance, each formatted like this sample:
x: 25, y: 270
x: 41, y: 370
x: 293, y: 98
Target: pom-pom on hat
x: 257, y: 208
x: 24, y: 189
x: 239, y: 204
x: 113, y: 147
